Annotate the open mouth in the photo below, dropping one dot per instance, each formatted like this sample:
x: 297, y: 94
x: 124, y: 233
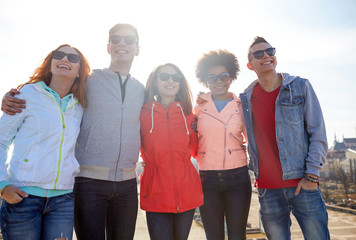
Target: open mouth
x: 63, y: 67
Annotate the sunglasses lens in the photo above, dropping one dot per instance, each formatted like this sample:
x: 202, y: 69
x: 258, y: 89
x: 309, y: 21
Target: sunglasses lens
x: 270, y: 51
x: 115, y: 39
x: 258, y: 54
x: 74, y: 58
x: 58, y: 55
x: 129, y: 40
x: 212, y: 78
x: 224, y: 76
x: 164, y: 76
x: 176, y: 77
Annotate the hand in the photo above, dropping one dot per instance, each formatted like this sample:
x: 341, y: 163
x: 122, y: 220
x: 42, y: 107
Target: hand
x: 143, y: 164
x: 13, y: 194
x: 11, y: 105
x: 305, y: 184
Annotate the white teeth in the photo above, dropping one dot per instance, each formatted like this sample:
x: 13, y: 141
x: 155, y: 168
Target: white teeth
x: 63, y: 66
x: 266, y: 63
x: 121, y: 51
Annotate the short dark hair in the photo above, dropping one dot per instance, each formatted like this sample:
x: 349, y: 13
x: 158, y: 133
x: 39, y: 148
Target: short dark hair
x: 125, y: 26
x: 216, y: 58
x: 255, y: 41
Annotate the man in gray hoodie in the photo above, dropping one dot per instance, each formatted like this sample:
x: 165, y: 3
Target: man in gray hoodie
x: 287, y: 146
x: 108, y: 143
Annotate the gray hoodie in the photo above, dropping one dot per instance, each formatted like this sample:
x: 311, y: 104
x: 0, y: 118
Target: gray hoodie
x: 109, y: 140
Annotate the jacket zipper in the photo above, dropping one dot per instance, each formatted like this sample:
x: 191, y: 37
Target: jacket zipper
x: 61, y: 144
x: 225, y: 127
x: 172, y: 162
x: 122, y: 118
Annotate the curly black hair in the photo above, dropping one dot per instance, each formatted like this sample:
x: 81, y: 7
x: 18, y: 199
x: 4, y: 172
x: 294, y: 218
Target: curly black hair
x: 216, y: 58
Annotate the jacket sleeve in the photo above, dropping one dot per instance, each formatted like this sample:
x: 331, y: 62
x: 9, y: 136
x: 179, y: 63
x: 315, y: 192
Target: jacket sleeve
x: 9, y: 126
x: 315, y: 127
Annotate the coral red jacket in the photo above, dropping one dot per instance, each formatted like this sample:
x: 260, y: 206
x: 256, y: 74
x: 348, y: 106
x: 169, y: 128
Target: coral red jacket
x: 169, y: 182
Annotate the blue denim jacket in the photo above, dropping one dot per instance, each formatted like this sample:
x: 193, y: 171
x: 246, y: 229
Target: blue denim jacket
x: 300, y: 128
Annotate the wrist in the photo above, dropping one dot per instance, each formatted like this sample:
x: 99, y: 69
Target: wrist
x: 313, y: 179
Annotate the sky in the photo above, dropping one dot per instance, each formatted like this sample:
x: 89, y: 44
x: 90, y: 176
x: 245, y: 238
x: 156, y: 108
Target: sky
x: 314, y: 39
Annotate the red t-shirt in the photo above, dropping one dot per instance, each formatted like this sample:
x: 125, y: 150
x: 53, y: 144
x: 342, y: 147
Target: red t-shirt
x: 270, y: 169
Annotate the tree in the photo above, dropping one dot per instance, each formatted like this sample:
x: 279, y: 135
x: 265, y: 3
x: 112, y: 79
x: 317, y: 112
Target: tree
x: 344, y: 180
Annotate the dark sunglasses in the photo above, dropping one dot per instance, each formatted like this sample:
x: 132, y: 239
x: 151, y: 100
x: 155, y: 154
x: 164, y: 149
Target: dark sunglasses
x: 260, y: 53
x: 166, y: 76
x: 58, y: 55
x: 115, y: 39
x: 213, y: 78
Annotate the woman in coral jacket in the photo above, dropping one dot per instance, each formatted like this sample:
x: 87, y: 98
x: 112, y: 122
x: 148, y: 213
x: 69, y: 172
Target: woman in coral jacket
x: 170, y: 185
x: 221, y: 154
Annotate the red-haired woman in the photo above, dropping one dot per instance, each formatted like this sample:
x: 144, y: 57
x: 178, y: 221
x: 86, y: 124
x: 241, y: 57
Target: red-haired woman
x: 37, y: 180
x: 170, y: 185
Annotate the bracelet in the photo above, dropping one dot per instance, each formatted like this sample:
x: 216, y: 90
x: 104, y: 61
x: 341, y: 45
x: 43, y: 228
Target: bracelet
x: 311, y: 179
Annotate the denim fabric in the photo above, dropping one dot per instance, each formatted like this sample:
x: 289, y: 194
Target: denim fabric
x: 38, y: 218
x: 308, y: 208
x: 226, y: 193
x: 169, y: 226
x: 300, y: 128
x: 105, y: 208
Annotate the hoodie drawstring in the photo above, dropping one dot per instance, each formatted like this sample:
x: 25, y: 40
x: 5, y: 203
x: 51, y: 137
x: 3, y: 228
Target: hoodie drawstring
x: 153, y: 105
x: 181, y: 109
x: 185, y: 121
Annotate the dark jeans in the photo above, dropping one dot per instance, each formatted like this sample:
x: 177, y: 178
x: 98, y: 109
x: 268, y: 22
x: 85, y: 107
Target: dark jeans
x: 169, y: 226
x: 105, y: 208
x: 38, y: 218
x: 227, y: 193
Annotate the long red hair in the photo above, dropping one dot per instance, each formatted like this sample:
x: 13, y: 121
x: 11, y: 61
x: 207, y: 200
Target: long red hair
x: 43, y: 73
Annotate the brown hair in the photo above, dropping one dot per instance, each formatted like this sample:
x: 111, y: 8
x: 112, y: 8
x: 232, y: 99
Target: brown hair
x: 255, y: 41
x: 184, y: 94
x: 216, y: 58
x: 43, y: 73
x: 125, y: 26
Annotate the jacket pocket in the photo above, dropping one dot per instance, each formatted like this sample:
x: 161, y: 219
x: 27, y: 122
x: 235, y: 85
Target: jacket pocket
x: 292, y: 108
x: 146, y: 183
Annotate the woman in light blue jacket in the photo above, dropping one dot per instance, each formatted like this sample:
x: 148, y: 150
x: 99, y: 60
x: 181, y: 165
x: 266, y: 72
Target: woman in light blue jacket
x: 37, y: 181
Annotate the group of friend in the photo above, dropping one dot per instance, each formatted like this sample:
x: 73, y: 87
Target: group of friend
x: 77, y: 134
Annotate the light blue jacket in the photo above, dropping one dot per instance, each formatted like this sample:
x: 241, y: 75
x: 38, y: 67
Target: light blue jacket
x: 300, y: 128
x: 44, y: 139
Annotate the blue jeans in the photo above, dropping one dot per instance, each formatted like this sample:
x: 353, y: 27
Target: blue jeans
x: 227, y: 193
x: 308, y: 208
x: 38, y: 218
x: 169, y: 226
x: 105, y: 208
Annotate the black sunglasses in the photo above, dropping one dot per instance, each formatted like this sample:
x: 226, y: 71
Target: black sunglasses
x: 260, y: 53
x: 166, y: 76
x: 213, y: 78
x: 58, y: 55
x: 127, y: 39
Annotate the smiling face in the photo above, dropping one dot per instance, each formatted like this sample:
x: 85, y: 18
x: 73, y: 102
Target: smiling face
x: 167, y: 90
x: 219, y: 89
x: 122, y: 51
x: 63, y: 68
x: 264, y: 65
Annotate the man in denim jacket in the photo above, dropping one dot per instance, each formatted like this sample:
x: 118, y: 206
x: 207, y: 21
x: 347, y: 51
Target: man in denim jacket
x: 287, y: 146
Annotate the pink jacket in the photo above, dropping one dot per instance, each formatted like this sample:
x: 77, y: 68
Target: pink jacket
x: 221, y: 134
